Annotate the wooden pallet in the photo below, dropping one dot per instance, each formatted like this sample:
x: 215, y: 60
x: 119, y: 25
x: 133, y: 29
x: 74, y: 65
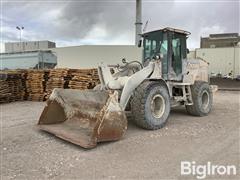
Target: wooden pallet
x: 58, y: 78
x: 83, y: 78
x: 36, y: 84
x: 11, y: 86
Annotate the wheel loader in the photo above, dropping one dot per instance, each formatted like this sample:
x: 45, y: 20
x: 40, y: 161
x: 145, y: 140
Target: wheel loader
x: 164, y: 79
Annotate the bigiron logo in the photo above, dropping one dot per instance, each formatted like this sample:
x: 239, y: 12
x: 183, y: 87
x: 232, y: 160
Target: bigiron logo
x: 209, y: 169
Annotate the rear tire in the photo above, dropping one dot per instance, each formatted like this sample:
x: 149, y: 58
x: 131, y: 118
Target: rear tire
x: 202, y: 99
x: 150, y: 105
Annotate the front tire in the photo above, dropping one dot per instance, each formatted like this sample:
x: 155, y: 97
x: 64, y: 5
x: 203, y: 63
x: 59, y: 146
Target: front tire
x: 150, y: 105
x: 202, y: 99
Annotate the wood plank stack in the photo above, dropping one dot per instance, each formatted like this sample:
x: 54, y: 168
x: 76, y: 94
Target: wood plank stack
x: 12, y: 80
x: 83, y: 78
x: 58, y: 78
x: 36, y: 84
x: 4, y: 91
x: 23, y: 80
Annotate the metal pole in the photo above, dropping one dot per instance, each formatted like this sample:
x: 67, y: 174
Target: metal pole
x: 20, y: 28
x: 21, y: 35
x: 138, y: 23
x: 20, y: 39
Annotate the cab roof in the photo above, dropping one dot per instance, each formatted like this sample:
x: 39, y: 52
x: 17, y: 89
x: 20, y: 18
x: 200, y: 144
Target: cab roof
x: 171, y: 30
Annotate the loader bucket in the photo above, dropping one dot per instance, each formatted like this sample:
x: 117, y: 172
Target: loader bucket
x: 84, y: 117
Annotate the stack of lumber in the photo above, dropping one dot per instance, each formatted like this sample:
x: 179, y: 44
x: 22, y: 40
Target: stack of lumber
x: 36, y: 85
x: 23, y: 80
x: 13, y: 81
x: 58, y: 78
x: 4, y: 91
x: 83, y: 78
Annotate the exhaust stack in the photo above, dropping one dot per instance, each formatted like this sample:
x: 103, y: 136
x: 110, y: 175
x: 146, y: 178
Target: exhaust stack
x: 138, y: 21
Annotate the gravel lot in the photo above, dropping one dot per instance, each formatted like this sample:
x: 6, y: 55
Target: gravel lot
x: 27, y: 153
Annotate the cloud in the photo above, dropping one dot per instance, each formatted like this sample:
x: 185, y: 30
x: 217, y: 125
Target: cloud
x: 201, y: 18
x: 112, y: 22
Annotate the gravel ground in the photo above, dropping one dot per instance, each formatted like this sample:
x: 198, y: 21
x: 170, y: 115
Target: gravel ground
x: 27, y: 153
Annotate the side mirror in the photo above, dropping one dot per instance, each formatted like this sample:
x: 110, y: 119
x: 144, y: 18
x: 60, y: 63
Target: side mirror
x: 161, y: 56
x: 158, y: 56
x: 124, y: 61
x: 140, y: 43
x: 188, y: 51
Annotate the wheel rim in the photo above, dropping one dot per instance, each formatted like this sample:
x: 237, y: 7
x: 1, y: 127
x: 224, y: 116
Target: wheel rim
x: 205, y: 99
x: 157, y: 106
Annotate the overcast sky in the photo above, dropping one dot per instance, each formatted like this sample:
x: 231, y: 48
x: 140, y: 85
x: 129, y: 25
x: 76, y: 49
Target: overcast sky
x: 101, y: 22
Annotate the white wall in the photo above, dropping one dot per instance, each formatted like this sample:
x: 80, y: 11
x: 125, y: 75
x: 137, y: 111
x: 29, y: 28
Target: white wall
x: 222, y: 60
x: 90, y: 56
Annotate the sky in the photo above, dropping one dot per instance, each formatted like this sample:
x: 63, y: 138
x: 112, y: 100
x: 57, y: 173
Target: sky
x: 111, y: 22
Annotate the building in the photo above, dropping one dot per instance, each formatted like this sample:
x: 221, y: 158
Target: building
x: 28, y: 60
x: 12, y: 47
x: 89, y: 56
x: 220, y: 40
x: 222, y: 52
x: 224, y: 61
x: 84, y: 56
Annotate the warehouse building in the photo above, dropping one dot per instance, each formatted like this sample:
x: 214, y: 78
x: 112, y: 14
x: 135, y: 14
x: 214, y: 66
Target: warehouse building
x: 223, y: 61
x: 222, y: 52
x: 85, y: 56
x: 28, y: 55
x: 12, y: 47
x: 28, y: 60
x: 220, y: 40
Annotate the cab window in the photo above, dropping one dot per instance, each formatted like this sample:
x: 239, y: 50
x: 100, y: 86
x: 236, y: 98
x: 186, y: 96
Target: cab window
x: 176, y: 54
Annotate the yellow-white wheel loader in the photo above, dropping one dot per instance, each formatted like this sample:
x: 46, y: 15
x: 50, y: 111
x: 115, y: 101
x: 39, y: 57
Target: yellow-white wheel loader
x: 164, y: 79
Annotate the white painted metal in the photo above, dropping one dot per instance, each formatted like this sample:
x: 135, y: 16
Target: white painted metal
x: 133, y: 82
x: 158, y: 106
x: 125, y: 83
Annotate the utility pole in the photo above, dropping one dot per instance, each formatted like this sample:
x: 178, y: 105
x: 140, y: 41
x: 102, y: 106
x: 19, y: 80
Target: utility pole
x: 138, y: 23
x: 20, y: 36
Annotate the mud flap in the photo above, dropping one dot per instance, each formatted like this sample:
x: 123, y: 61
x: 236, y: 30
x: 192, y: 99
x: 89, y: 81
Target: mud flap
x: 84, y: 117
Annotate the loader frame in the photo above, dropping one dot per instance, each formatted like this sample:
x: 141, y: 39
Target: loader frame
x: 164, y: 60
x: 149, y: 89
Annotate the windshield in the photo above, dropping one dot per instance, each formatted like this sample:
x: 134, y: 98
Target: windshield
x: 154, y: 44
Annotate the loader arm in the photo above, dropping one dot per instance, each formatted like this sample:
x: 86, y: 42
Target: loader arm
x: 133, y: 82
x: 126, y: 83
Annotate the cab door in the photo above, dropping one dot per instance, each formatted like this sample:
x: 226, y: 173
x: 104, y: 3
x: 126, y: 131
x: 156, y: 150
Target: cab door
x: 177, y: 54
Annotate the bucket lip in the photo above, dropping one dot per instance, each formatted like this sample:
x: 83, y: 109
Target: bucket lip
x: 80, y: 142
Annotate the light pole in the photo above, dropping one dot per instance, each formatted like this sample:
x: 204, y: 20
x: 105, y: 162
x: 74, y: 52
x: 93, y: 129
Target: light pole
x: 20, y: 38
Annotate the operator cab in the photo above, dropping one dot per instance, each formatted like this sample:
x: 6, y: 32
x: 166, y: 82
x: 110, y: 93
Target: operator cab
x: 170, y: 45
